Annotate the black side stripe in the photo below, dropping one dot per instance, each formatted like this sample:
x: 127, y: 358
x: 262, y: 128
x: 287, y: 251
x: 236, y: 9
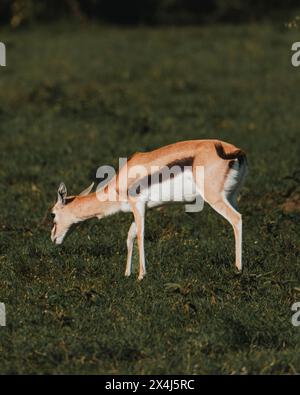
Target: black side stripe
x: 176, y: 167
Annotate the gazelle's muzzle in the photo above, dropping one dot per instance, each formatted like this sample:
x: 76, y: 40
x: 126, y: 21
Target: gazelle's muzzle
x: 57, y: 238
x: 53, y: 232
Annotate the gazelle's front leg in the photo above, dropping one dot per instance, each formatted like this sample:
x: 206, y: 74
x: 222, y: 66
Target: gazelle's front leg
x: 138, y: 209
x: 130, y: 240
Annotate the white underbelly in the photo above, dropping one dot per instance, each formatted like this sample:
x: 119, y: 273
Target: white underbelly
x: 180, y: 188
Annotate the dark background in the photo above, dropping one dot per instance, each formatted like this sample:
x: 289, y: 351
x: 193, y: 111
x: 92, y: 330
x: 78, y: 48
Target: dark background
x: 150, y: 12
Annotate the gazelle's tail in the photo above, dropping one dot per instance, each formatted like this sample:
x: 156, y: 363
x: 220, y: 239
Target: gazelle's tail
x: 237, y: 154
x: 237, y: 171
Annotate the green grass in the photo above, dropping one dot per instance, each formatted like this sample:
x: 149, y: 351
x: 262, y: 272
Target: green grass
x: 72, y: 99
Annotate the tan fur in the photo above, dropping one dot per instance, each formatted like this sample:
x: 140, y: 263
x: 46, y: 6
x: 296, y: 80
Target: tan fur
x: 203, y: 151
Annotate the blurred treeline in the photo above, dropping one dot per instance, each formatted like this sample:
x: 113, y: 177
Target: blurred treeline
x: 151, y: 12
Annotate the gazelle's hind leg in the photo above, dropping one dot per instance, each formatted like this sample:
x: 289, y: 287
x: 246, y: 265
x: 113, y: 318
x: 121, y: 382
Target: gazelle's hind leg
x: 224, y: 208
x: 219, y: 189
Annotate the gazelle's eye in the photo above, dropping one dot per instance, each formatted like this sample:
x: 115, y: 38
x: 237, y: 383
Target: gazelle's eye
x: 52, y: 215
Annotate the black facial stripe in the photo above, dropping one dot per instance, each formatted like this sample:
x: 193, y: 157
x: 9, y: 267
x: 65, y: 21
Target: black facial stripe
x: 69, y: 199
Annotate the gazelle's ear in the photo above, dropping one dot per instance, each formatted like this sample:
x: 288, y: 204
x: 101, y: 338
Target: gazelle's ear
x: 62, y: 193
x: 87, y: 190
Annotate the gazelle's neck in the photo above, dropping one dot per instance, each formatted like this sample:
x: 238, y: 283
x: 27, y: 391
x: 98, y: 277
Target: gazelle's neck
x: 85, y: 207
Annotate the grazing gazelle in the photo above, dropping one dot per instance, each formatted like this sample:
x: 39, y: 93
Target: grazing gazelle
x: 223, y: 166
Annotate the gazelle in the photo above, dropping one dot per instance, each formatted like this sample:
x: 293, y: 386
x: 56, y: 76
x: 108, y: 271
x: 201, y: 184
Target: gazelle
x: 223, y: 166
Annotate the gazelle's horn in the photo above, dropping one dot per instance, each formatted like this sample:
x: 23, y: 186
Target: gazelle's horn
x: 87, y: 190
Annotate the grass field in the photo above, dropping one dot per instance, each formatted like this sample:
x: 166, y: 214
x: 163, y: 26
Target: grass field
x: 72, y: 99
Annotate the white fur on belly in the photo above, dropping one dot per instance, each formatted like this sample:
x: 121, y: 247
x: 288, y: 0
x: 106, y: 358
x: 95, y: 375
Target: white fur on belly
x: 181, y: 188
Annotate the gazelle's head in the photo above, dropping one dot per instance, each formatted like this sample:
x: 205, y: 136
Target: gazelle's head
x: 63, y: 213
